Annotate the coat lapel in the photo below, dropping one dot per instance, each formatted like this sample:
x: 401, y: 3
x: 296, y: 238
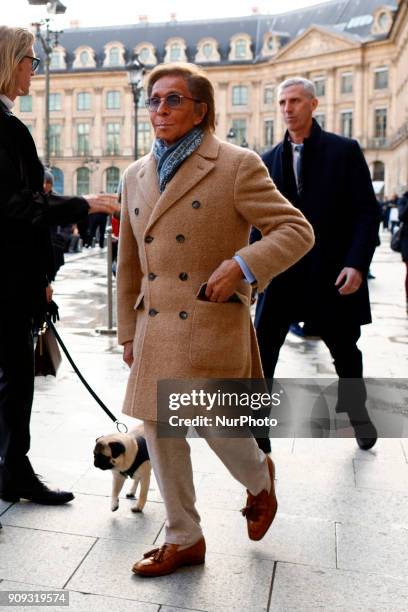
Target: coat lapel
x: 148, y: 181
x: 190, y: 173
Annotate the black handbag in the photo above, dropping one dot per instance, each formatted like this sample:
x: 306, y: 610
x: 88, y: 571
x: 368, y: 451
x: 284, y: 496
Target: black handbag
x: 396, y: 240
x: 47, y: 356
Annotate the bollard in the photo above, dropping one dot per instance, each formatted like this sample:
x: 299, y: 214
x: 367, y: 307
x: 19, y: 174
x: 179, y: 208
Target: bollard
x: 110, y: 330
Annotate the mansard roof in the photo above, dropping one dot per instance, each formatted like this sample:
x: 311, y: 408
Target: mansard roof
x: 352, y: 18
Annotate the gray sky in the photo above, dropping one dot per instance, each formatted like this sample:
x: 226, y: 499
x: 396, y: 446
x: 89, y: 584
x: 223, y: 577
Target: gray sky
x: 103, y: 12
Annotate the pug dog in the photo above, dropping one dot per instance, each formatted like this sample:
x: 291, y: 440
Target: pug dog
x: 127, y: 456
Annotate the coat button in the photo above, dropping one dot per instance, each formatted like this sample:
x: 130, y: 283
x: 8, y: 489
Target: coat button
x: 149, y: 239
x: 136, y: 211
x: 153, y: 312
x: 196, y: 204
x: 183, y: 276
x: 180, y: 238
x: 183, y: 314
x: 152, y: 276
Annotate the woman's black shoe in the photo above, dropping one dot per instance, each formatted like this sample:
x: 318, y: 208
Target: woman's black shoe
x: 264, y: 444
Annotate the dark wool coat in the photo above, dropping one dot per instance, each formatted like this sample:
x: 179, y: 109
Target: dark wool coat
x: 26, y: 255
x: 337, y: 198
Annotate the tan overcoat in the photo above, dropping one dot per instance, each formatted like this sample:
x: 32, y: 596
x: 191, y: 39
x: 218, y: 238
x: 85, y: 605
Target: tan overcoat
x: 170, y: 244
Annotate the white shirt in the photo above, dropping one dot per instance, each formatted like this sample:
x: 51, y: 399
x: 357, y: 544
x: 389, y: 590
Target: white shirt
x: 9, y: 103
x: 295, y: 159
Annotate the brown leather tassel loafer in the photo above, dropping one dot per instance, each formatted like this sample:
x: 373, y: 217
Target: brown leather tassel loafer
x: 261, y: 509
x: 167, y: 558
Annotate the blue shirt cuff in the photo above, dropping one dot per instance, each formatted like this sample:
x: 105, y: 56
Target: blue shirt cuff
x: 245, y: 270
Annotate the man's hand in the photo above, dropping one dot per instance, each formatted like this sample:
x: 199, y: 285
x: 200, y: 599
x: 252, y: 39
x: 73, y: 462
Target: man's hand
x: 349, y: 281
x: 128, y: 353
x: 223, y: 281
x: 103, y: 203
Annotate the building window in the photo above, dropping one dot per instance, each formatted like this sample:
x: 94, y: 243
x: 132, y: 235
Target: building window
x: 268, y: 133
x: 58, y: 175
x: 207, y: 50
x: 346, y: 123
x: 321, y: 120
x: 112, y: 179
x: 55, y: 139
x: 269, y: 95
x: 240, y: 95
x: 320, y: 84
x: 114, y: 56
x: 55, y: 102
x: 29, y: 128
x: 240, y: 48
x: 346, y: 83
x: 175, y: 52
x: 113, y: 138
x: 378, y: 171
x: 112, y: 100
x: 83, y: 130
x: 240, y: 128
x: 82, y: 182
x: 144, y: 137
x: 26, y: 104
x: 144, y: 54
x: 381, y: 78
x: 55, y: 61
x: 84, y: 58
x: 380, y: 123
x: 84, y: 101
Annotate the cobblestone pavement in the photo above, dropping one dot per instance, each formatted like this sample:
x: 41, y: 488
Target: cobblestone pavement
x: 340, y: 538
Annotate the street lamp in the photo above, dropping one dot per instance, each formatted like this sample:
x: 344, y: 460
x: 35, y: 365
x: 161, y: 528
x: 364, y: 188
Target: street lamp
x: 48, y: 42
x: 55, y: 7
x: 136, y: 71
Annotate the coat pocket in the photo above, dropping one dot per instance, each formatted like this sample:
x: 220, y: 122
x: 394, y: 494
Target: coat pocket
x: 220, y: 336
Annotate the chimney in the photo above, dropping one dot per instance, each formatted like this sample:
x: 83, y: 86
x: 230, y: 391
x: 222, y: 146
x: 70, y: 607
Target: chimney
x: 143, y: 18
x: 173, y: 17
x: 74, y: 23
x: 255, y: 10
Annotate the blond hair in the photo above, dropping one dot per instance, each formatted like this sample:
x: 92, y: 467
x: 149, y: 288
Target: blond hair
x: 198, y: 83
x: 15, y: 43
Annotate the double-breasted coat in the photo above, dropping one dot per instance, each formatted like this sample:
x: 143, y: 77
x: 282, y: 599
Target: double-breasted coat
x: 170, y: 244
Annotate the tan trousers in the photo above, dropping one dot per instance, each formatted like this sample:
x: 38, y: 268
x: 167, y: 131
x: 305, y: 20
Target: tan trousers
x: 171, y: 462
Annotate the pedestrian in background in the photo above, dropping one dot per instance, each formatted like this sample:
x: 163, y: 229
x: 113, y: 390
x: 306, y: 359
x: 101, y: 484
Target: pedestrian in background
x: 403, y: 219
x: 327, y: 178
x: 26, y: 214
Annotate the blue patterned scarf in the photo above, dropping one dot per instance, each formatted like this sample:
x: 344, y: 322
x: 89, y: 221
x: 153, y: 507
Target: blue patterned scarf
x: 170, y: 158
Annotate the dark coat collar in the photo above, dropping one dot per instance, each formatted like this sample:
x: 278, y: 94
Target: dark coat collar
x: 311, y: 140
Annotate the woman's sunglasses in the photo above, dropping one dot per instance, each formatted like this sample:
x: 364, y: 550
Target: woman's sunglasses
x: 34, y: 62
x: 171, y: 100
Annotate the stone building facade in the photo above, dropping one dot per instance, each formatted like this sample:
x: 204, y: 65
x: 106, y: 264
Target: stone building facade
x: 356, y: 52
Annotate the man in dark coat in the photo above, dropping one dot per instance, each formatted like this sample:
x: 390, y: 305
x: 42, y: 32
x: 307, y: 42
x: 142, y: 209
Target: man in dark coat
x: 26, y: 256
x: 327, y: 178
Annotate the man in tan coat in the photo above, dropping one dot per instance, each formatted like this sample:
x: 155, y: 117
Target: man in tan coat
x: 187, y: 210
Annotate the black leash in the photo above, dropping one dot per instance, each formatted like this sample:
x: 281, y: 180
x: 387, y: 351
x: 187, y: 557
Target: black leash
x: 121, y: 427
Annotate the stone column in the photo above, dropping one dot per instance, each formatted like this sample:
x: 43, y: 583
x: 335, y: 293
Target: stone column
x: 127, y: 136
x: 358, y: 95
x: 40, y: 123
x: 331, y: 101
x: 97, y: 136
x: 221, y: 108
x: 68, y: 124
x: 255, y: 116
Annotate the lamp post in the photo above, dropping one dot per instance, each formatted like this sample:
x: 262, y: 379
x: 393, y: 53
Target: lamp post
x: 48, y: 42
x: 136, y: 71
x: 231, y: 135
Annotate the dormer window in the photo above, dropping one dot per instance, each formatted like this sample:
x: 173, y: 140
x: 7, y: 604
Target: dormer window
x: 84, y: 58
x: 240, y: 47
x: 207, y: 51
x: 114, y: 57
x: 175, y: 50
x: 114, y: 54
x: 271, y: 44
x: 146, y: 53
x: 382, y: 20
x: 57, y: 61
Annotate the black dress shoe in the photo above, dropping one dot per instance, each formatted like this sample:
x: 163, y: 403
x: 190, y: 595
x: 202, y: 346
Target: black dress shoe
x: 366, y: 435
x: 36, y: 491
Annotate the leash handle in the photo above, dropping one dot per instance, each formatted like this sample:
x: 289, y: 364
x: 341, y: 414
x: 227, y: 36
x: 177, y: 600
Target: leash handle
x: 121, y: 427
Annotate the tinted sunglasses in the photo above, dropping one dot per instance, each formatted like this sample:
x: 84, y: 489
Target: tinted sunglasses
x: 34, y: 62
x: 171, y: 100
